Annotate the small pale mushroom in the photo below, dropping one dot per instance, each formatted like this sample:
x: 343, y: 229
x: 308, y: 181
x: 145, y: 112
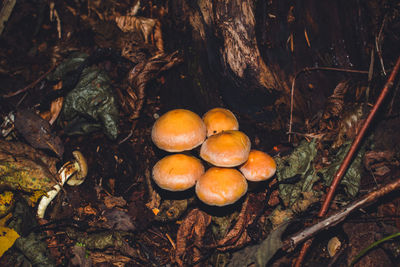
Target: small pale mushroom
x: 333, y: 246
x: 79, y: 176
x: 73, y: 172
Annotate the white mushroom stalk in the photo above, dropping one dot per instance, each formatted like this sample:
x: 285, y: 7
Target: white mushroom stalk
x: 75, y: 170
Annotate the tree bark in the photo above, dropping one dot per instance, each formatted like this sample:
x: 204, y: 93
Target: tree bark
x: 249, y: 51
x: 225, y: 31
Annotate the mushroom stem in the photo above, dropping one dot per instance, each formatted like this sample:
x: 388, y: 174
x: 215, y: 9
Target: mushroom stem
x: 66, y: 171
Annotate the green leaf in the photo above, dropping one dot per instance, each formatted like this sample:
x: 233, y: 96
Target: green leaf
x: 91, y: 102
x: 352, y: 178
x: 299, y: 162
x: 259, y: 254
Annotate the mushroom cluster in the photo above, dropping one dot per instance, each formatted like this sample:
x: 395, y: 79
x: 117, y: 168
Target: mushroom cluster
x: 222, y: 145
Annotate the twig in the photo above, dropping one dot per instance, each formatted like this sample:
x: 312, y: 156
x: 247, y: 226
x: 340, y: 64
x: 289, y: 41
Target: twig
x: 370, y: 74
x: 26, y: 88
x: 5, y: 13
x: 336, y: 218
x: 354, y: 146
x: 393, y: 98
x: 312, y: 69
x: 378, y: 45
x: 347, y: 160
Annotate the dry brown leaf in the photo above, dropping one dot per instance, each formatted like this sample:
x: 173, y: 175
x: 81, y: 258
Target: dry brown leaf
x: 116, y: 219
x: 274, y: 198
x: 112, y: 201
x: 37, y: 132
x: 142, y: 73
x: 149, y: 28
x: 55, y: 109
x: 192, y: 229
x: 373, y: 157
x: 238, y: 236
x: 103, y: 258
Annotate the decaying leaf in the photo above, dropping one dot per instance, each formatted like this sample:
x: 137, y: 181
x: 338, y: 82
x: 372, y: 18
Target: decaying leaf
x: 238, y: 237
x: 300, y: 162
x: 91, y: 98
x: 302, y: 204
x: 31, y: 244
x: 352, y: 178
x: 7, y: 239
x: 55, y: 107
x: 279, y: 216
x: 334, y: 104
x: 113, y: 201
x: 379, y: 162
x: 101, y: 258
x: 259, y: 254
x: 117, y: 220
x: 103, y: 240
x: 24, y: 168
x: 7, y: 201
x: 141, y: 74
x: 191, y: 230
x: 37, y: 131
x: 172, y: 209
x: 149, y: 28
x: 350, y: 124
x: 80, y: 257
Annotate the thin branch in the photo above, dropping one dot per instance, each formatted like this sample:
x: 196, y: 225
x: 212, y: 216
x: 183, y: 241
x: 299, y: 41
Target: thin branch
x: 339, y: 216
x: 378, y: 45
x: 354, y: 146
x: 26, y: 88
x: 357, y: 140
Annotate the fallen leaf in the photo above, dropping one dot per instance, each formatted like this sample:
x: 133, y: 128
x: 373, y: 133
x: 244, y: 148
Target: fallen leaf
x: 80, y: 257
x: 193, y: 228
x: 112, y: 201
x: 37, y: 132
x: 25, y: 168
x: 118, y: 220
x: 238, y: 236
x: 7, y: 239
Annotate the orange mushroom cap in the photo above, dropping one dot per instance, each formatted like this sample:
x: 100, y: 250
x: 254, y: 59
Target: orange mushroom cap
x: 221, y: 186
x: 218, y: 120
x: 226, y: 149
x: 178, y: 130
x: 259, y: 167
x: 177, y: 172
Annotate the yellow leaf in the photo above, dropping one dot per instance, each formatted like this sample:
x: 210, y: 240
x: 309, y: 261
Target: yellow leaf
x: 155, y: 211
x: 7, y: 239
x: 6, y: 202
x: 4, y: 220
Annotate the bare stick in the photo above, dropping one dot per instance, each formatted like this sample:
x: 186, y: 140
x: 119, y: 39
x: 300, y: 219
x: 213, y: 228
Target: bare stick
x: 340, y: 216
x: 349, y: 156
x: 26, y: 88
x: 357, y: 140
